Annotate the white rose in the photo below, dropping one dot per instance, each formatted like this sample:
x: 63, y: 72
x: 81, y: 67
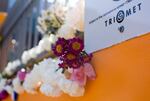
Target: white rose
x: 17, y: 85
x: 49, y: 90
x: 32, y: 53
x: 25, y: 57
x: 2, y: 83
x: 53, y: 38
x: 9, y: 89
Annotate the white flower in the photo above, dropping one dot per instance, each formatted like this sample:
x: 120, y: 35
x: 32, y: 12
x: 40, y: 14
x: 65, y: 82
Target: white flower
x: 32, y: 53
x: 25, y: 57
x: 9, y: 89
x: 40, y: 29
x: 73, y: 23
x: 45, y: 44
x: 77, y: 20
x: 32, y: 79
x: 51, y: 76
x: 53, y: 38
x: 38, y: 75
x: 52, y: 82
x: 17, y: 85
x: 47, y: 41
x: 72, y: 3
x: 49, y: 90
x: 8, y: 69
x: 59, y: 9
x: 57, y: 79
x: 12, y: 66
x: 39, y: 50
x: 66, y: 31
x: 76, y: 90
x: 53, y: 16
x: 30, y: 84
x: 2, y: 84
x: 45, y: 13
x: 39, y: 20
x: 72, y: 88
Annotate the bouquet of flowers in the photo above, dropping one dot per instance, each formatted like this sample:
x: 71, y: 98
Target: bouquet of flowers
x: 72, y: 55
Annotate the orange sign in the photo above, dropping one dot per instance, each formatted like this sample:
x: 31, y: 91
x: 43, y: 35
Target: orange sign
x: 3, y: 16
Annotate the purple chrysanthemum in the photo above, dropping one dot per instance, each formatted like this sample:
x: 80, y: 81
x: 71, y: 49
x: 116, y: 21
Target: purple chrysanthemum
x: 76, y: 45
x: 74, y: 64
x: 69, y: 57
x: 71, y: 53
x: 59, y: 47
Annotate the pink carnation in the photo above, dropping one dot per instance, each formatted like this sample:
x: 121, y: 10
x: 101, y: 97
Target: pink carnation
x: 21, y: 75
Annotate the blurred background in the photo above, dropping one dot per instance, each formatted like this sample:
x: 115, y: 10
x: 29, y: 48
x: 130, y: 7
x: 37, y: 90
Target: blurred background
x: 18, y: 19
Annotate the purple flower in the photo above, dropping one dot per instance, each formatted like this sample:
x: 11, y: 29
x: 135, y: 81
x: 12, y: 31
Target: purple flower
x: 76, y: 45
x: 59, y: 47
x: 75, y: 65
x: 86, y: 58
x: 3, y: 94
x: 69, y: 57
x: 71, y: 53
x: 70, y: 60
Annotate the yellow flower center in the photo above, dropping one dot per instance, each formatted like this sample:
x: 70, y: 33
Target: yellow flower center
x: 70, y: 56
x: 59, y: 48
x: 76, y: 45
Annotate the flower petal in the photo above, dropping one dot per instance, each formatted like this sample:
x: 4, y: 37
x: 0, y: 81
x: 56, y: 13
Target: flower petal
x: 79, y: 76
x: 89, y: 71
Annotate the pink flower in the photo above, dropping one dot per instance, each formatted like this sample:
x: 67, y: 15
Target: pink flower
x: 89, y: 71
x: 21, y: 75
x: 80, y: 75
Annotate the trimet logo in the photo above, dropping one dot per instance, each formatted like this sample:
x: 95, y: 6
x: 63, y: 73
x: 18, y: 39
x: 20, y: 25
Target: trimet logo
x: 122, y: 14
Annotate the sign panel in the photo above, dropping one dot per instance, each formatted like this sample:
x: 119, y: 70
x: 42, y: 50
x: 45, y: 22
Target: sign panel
x: 108, y: 22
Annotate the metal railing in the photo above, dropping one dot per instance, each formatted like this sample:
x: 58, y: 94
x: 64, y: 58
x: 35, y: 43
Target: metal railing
x: 14, y: 15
